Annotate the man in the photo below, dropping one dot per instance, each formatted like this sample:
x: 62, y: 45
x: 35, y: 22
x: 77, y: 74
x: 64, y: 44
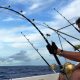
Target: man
x: 75, y: 56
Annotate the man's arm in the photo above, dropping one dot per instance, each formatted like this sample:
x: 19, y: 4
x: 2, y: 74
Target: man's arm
x: 75, y: 56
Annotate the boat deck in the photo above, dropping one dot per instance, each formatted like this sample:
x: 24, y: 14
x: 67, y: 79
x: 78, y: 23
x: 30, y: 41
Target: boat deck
x: 41, y: 77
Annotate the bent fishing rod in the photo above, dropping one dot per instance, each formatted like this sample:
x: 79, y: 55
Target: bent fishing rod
x: 38, y: 52
x: 27, y: 19
x: 66, y: 19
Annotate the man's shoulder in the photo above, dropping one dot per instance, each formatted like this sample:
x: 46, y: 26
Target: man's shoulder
x: 77, y: 66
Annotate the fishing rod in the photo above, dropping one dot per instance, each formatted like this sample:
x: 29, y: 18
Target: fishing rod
x: 27, y: 19
x: 38, y: 52
x: 66, y: 20
x: 51, y: 52
x: 63, y: 37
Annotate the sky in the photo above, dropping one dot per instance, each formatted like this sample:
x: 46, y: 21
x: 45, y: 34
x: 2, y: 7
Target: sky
x: 15, y: 50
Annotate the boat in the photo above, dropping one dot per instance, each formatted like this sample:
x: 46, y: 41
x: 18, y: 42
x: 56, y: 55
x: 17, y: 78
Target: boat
x: 54, y: 76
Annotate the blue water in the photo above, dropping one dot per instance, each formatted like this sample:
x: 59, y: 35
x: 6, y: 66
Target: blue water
x: 8, y: 72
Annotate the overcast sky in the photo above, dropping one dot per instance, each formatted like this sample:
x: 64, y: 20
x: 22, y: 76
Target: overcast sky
x: 15, y: 49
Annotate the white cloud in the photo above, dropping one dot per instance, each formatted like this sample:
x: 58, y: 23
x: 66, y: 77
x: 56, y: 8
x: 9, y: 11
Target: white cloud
x: 34, y: 6
x: 71, y: 10
x: 1, y: 45
x: 10, y: 19
x: 18, y: 45
x: 15, y: 39
x: 20, y: 58
x: 38, y: 5
x: 19, y: 42
x: 24, y: 12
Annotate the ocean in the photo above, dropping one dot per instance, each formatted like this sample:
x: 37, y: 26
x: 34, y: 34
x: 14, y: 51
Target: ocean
x: 9, y: 72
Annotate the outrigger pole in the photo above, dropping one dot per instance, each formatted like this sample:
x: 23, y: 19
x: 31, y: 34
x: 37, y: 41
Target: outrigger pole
x: 66, y: 19
x: 38, y: 52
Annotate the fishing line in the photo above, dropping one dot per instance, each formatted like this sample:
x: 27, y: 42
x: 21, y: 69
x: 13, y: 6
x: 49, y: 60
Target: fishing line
x: 45, y: 25
x: 66, y: 26
x: 61, y: 32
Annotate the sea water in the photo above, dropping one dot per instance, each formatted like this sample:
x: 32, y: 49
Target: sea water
x: 9, y: 72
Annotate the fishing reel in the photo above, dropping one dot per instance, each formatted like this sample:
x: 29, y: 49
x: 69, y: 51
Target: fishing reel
x: 68, y: 68
x: 53, y: 66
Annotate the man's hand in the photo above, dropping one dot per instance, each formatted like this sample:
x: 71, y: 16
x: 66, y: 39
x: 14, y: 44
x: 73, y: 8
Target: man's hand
x: 52, y: 48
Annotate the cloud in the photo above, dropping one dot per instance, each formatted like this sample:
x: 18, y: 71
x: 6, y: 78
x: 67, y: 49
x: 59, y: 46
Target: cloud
x: 21, y: 56
x: 2, y: 59
x: 13, y: 39
x: 10, y: 19
x: 1, y: 45
x: 70, y: 11
x: 24, y: 12
x: 18, y: 58
x: 34, y: 6
x: 39, y: 5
